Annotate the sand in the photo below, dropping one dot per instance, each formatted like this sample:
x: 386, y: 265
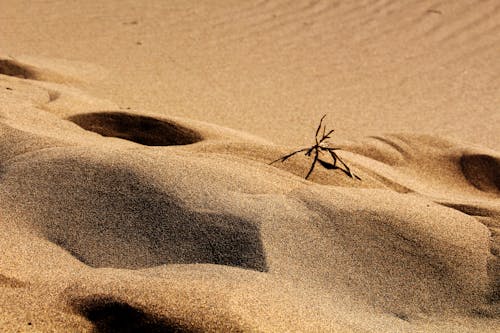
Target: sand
x: 136, y: 188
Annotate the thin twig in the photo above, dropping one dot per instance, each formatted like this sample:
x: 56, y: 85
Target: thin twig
x: 319, y: 147
x: 284, y: 158
x: 313, y: 164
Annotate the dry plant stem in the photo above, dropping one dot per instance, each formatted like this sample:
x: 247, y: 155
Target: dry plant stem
x: 320, y: 146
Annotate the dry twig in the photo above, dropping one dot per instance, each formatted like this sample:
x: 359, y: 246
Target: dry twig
x: 321, y: 147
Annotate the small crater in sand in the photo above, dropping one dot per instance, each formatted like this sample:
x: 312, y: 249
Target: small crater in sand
x: 13, y: 68
x: 482, y: 171
x: 147, y: 131
x: 113, y: 315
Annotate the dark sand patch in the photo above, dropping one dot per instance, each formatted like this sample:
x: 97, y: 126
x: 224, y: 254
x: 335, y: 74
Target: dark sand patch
x: 145, y: 130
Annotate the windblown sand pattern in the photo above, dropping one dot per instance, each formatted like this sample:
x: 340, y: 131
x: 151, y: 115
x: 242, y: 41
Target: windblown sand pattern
x: 122, y: 213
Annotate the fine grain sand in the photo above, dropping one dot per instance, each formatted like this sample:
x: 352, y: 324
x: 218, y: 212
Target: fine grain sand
x: 136, y: 193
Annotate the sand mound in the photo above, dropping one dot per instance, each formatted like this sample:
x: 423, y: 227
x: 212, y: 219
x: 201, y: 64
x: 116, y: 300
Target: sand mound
x: 142, y: 226
x: 433, y: 166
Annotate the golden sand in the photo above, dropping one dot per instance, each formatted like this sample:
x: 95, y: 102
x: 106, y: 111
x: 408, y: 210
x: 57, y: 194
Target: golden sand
x: 135, y: 186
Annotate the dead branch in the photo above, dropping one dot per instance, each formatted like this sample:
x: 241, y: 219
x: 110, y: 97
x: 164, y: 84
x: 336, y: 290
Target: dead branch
x: 321, y: 145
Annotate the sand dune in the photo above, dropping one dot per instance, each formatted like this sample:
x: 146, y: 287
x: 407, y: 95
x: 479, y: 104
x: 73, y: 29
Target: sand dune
x: 129, y: 204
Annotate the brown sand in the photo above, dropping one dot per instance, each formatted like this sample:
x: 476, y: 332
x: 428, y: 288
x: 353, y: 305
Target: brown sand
x: 128, y: 203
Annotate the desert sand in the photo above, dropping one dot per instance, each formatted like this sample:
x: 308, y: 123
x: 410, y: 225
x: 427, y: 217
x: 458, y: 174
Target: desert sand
x: 136, y: 188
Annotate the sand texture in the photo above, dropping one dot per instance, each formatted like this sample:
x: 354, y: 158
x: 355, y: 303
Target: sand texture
x: 137, y: 195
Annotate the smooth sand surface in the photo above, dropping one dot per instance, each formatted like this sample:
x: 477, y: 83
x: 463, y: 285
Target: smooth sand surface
x: 136, y: 191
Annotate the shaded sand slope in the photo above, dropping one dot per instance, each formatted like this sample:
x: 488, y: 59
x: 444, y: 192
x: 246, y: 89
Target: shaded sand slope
x: 112, y: 217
